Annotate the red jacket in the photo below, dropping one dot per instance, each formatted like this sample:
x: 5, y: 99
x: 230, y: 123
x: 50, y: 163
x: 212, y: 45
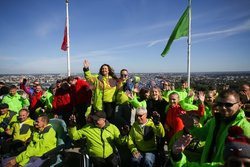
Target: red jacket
x: 35, y: 100
x: 81, y: 93
x: 61, y: 102
x: 173, y: 120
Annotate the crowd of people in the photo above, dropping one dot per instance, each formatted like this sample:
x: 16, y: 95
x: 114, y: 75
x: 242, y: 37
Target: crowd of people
x: 124, y: 125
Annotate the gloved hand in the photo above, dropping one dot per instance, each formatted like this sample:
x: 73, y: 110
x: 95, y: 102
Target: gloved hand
x: 156, y: 118
x: 72, y: 121
x: 125, y: 130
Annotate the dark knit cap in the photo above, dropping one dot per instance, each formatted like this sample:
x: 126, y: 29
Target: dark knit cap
x: 237, y: 144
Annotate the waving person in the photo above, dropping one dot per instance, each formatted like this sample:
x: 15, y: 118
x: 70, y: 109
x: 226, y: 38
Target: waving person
x: 104, y: 86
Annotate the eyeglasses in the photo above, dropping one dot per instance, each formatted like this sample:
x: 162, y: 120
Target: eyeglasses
x: 124, y: 75
x: 227, y: 105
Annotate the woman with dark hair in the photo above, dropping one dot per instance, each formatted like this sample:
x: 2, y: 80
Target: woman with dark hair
x: 103, y: 71
x: 103, y: 86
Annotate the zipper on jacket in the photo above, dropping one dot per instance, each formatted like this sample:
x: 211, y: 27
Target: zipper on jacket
x: 103, y: 145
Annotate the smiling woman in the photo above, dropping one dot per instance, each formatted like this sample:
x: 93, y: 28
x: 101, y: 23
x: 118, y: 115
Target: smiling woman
x: 104, y: 86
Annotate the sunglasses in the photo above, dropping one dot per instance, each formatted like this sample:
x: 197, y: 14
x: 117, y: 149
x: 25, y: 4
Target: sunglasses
x: 124, y: 75
x: 227, y: 105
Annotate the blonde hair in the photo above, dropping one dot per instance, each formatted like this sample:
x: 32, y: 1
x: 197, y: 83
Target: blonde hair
x: 159, y: 91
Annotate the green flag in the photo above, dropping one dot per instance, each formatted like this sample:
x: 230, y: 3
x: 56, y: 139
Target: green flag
x: 180, y: 30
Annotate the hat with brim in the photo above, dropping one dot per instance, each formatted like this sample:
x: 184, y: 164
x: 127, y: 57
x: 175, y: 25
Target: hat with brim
x: 99, y: 114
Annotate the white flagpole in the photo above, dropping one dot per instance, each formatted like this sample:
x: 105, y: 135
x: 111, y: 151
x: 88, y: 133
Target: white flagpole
x: 68, y: 39
x: 189, y: 44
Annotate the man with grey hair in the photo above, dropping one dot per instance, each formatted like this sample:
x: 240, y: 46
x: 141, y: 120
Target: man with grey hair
x: 142, y: 138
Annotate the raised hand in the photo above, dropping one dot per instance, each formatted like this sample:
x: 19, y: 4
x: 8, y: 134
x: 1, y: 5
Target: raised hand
x: 21, y: 80
x: 136, y: 154
x: 8, y: 131
x: 190, y: 93
x: 72, y: 120
x: 44, y: 94
x: 136, y: 90
x: 24, y: 95
x: 201, y: 96
x: 156, y: 118
x: 86, y: 63
x: 180, y: 145
x: 129, y: 94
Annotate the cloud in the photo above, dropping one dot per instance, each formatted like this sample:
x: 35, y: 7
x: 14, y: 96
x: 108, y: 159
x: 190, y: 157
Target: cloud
x: 243, y: 27
x: 230, y: 31
x: 107, y: 53
x: 156, y: 26
x: 113, y: 50
x: 155, y: 42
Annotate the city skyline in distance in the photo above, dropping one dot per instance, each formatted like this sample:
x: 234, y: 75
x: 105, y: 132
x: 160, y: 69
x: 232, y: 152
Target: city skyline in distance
x: 132, y: 73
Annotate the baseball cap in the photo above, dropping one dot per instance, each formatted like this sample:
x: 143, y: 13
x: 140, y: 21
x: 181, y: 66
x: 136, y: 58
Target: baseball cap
x: 98, y: 114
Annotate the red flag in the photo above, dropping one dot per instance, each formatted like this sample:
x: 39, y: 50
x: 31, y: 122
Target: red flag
x: 65, y: 40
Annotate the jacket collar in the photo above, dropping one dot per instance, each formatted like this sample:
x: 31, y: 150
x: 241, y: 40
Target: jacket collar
x: 46, y: 129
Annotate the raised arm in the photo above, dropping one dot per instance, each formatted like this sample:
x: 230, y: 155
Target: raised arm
x: 89, y: 77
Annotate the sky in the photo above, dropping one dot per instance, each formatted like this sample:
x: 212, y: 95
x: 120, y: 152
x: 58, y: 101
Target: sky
x: 127, y: 34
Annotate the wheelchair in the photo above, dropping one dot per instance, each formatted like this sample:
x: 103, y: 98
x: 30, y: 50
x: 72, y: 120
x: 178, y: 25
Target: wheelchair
x: 78, y: 156
x: 69, y: 153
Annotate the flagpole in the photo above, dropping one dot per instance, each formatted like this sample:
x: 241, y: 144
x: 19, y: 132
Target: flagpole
x: 68, y: 39
x: 189, y: 44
